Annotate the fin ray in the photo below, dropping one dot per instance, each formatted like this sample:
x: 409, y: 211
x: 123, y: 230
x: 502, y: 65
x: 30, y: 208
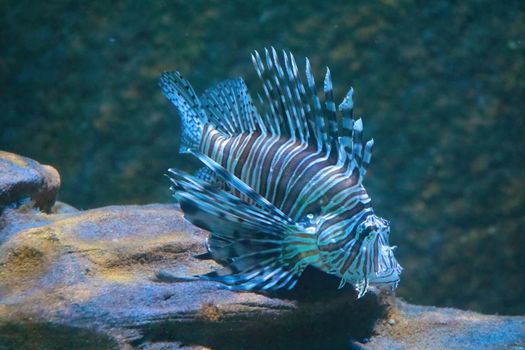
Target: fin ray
x: 180, y: 92
x: 256, y: 241
x: 230, y: 108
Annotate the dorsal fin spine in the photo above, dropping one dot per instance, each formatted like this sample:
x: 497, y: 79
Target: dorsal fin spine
x: 301, y: 96
x: 297, y: 98
x: 264, y: 125
x: 271, y: 110
x: 318, y: 113
x: 247, y: 109
x: 286, y: 108
x: 330, y: 112
x: 259, y: 68
x: 346, y: 125
x: 357, y: 143
x: 272, y: 94
x: 291, y: 98
x: 266, y: 115
x: 293, y: 86
x: 367, y: 156
x: 224, y: 100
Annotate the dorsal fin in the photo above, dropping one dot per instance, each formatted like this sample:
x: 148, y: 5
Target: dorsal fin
x: 330, y: 112
x: 179, y: 92
x: 346, y: 126
x: 291, y: 110
x: 320, y: 125
x: 229, y: 107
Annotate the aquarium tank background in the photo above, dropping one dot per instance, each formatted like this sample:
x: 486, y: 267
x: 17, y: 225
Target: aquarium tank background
x: 441, y: 85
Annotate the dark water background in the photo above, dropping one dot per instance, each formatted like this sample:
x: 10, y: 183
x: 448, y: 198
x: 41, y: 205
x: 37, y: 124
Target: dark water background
x: 441, y: 87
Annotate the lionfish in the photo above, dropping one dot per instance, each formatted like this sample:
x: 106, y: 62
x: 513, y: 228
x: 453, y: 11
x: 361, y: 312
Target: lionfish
x: 280, y: 190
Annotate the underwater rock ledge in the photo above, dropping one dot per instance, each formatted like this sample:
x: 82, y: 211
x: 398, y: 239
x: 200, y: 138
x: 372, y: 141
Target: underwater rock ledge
x: 98, y: 279
x: 95, y: 272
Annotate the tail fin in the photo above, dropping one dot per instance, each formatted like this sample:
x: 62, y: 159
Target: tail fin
x: 179, y: 92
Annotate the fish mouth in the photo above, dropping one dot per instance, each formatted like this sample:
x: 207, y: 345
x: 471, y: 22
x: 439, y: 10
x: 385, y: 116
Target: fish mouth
x: 387, y: 278
x: 375, y: 264
x: 387, y: 270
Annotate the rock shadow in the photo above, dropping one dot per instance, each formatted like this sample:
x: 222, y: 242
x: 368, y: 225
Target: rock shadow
x: 49, y: 336
x: 325, y: 317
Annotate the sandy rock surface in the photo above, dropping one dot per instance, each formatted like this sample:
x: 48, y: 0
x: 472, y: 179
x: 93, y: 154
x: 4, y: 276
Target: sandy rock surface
x: 98, y: 270
x: 91, y: 280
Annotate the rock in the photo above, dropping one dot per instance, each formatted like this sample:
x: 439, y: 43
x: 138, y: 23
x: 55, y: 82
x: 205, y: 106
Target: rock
x: 428, y: 327
x: 22, y: 178
x: 92, y: 280
x: 62, y: 208
x: 97, y: 270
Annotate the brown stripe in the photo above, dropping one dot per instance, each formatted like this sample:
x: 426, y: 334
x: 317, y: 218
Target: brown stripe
x: 295, y: 191
x: 273, y: 186
x: 344, y: 216
x: 213, y: 144
x: 321, y: 204
x: 287, y: 175
x: 205, y: 136
x: 244, y: 155
x: 227, y: 150
x: 255, y: 171
x: 355, y: 250
x: 235, y: 150
x: 342, y: 186
x: 265, y: 171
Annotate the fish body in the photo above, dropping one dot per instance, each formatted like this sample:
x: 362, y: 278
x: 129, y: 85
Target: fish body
x: 282, y: 189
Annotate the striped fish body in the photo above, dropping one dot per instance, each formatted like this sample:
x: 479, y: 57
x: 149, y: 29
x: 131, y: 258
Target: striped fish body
x: 290, y: 174
x: 280, y: 190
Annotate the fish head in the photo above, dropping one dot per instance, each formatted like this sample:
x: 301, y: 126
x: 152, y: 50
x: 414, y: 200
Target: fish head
x: 373, y: 260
